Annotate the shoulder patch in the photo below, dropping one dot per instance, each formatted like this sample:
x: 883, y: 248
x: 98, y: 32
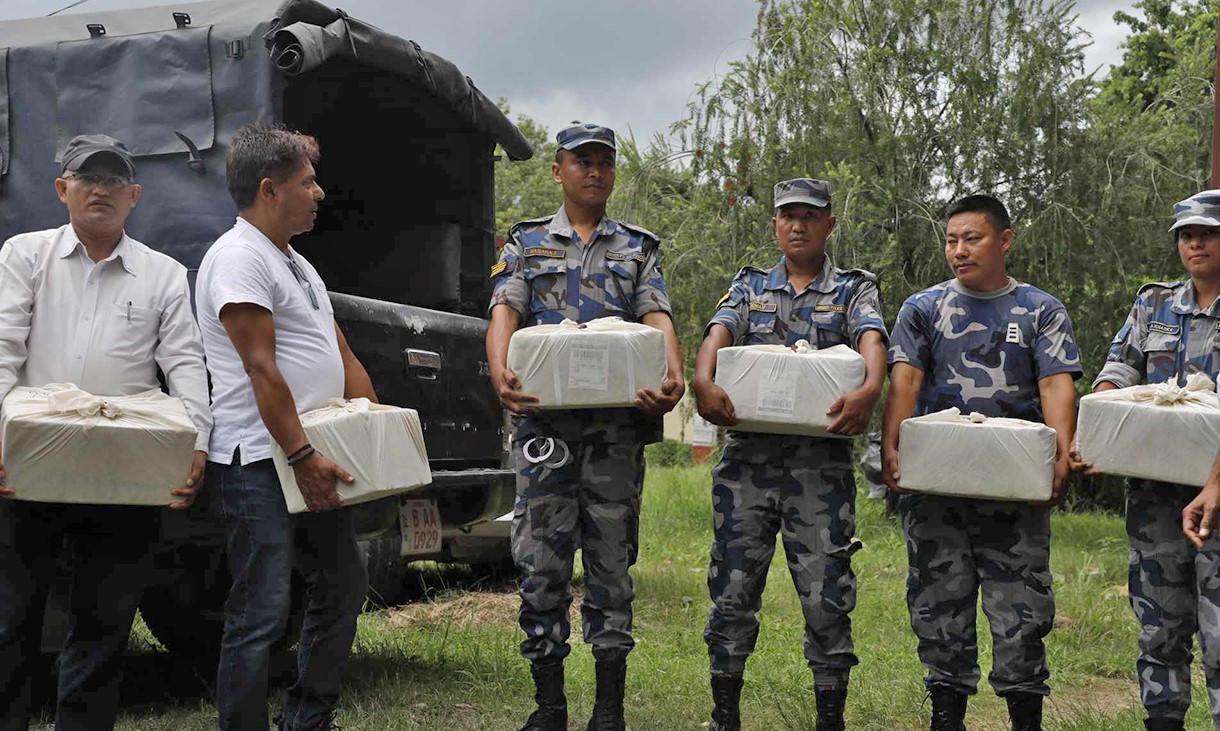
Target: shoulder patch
x: 626, y: 256
x: 1160, y: 327
x: 545, y: 252
x: 763, y: 307
x: 639, y: 230
x: 830, y: 308
x: 498, y: 268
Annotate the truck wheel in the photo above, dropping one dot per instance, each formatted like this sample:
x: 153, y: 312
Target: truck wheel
x: 186, y: 614
x: 383, y: 561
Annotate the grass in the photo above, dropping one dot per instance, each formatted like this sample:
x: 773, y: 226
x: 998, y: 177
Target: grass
x: 449, y: 660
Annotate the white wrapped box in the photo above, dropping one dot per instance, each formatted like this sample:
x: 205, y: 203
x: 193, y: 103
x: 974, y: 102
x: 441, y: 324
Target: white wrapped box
x: 1161, y: 432
x: 381, y: 446
x: 976, y: 456
x: 64, y: 445
x: 780, y: 390
x: 602, y: 363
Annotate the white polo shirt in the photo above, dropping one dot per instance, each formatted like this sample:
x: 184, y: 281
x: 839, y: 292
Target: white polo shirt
x: 244, y: 267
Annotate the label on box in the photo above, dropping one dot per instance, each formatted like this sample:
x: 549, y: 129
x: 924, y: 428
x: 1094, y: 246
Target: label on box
x: 777, y: 397
x: 589, y: 368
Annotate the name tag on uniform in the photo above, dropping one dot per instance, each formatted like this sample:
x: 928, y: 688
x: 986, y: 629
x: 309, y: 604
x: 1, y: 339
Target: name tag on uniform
x: 763, y: 307
x: 1160, y: 327
x: 1014, y: 333
x: 830, y: 308
x: 625, y: 256
x: 545, y: 252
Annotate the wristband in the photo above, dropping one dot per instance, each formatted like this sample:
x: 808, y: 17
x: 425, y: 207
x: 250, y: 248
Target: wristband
x: 301, y: 455
x: 298, y: 451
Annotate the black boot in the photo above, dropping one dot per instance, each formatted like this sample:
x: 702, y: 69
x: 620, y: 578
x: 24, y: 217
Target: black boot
x: 1025, y: 711
x: 1162, y: 723
x: 948, y: 709
x: 552, y: 712
x: 726, y: 694
x: 830, y: 702
x: 608, y: 708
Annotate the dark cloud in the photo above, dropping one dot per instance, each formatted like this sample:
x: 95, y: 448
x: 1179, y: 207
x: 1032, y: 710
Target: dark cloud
x: 629, y: 64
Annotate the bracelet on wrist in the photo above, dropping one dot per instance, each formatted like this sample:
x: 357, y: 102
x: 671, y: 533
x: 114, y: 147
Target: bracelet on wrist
x: 301, y: 455
x: 299, y: 451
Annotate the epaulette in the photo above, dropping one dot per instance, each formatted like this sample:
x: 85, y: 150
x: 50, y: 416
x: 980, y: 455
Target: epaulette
x: 528, y: 221
x: 1158, y: 285
x: 748, y: 269
x: 640, y: 230
x: 859, y: 272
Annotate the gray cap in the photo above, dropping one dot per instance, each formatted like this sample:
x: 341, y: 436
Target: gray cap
x: 580, y: 134
x: 1202, y: 209
x: 803, y: 190
x: 84, y: 147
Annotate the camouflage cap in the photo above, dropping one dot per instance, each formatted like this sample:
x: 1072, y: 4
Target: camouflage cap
x: 581, y: 134
x: 803, y: 190
x: 1202, y: 209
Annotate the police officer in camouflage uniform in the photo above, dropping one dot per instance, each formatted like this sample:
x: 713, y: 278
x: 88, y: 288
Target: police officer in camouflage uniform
x: 578, y: 264
x: 981, y: 342
x: 1173, y: 331
x: 800, y: 487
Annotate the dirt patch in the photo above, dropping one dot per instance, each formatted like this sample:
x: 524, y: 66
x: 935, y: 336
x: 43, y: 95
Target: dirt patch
x: 467, y: 610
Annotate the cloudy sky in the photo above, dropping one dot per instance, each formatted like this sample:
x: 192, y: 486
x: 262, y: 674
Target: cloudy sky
x: 630, y: 64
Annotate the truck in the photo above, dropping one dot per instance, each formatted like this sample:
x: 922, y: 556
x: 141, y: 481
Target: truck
x: 404, y: 239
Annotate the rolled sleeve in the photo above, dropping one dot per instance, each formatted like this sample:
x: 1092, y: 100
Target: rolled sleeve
x: 909, y: 342
x: 651, y: 294
x: 1126, y: 361
x: 16, y: 309
x: 508, y: 279
x: 1055, y: 349
x: 864, y: 312
x: 179, y: 354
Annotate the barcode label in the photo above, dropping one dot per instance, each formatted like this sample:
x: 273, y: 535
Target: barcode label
x: 777, y: 398
x: 589, y: 368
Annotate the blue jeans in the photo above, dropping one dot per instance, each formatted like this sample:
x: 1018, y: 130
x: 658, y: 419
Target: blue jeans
x: 111, y: 554
x: 264, y: 543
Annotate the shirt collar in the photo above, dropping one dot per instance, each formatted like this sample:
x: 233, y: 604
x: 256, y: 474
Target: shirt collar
x: 1184, y: 303
x: 70, y: 243
x: 777, y: 278
x: 256, y: 233
x: 561, y: 226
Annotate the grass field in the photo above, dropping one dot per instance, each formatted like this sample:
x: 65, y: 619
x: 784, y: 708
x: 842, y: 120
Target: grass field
x: 449, y: 661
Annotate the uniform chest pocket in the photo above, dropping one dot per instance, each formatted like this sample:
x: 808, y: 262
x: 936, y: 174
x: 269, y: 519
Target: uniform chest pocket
x: 831, y: 329
x: 763, y: 323
x: 131, y: 332
x: 548, y: 281
x: 1161, y: 355
x: 620, y: 287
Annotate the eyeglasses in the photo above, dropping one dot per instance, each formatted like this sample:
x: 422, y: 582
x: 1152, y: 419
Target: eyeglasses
x: 300, y: 275
x: 112, y: 182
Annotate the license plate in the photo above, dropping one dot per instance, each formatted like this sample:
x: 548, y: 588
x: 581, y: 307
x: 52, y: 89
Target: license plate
x: 421, y: 527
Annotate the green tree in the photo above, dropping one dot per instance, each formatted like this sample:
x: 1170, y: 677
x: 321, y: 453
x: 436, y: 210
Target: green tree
x: 525, y: 189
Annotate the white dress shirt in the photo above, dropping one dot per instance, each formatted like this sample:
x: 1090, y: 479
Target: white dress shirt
x: 104, y: 326
x: 245, y: 267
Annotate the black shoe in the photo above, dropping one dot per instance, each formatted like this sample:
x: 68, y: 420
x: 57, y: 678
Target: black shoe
x: 830, y: 702
x: 552, y: 711
x: 726, y: 694
x: 1163, y: 723
x: 611, y: 685
x: 1025, y: 711
x: 948, y: 709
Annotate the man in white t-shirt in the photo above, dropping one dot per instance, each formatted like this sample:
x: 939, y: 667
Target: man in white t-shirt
x: 275, y: 351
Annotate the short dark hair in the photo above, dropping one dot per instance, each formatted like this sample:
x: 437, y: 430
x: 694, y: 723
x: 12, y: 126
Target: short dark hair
x: 987, y: 205
x: 265, y: 151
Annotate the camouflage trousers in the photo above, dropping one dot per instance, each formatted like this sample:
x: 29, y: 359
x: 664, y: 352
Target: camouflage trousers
x: 1175, y: 592
x: 957, y: 547
x: 591, y: 503
x: 805, y: 492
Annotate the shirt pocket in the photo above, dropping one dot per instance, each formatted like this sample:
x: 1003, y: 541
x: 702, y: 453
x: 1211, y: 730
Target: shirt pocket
x: 548, y: 283
x: 763, y: 325
x: 131, y: 332
x: 620, y: 287
x: 1161, y: 356
x: 831, y: 329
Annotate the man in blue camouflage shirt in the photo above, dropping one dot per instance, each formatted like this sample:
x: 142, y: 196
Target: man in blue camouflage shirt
x: 580, y: 265
x: 983, y: 342
x: 801, y: 487
x: 1173, y: 331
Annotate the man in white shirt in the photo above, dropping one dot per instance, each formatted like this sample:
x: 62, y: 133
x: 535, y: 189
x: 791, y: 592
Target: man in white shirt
x: 89, y: 305
x: 274, y: 351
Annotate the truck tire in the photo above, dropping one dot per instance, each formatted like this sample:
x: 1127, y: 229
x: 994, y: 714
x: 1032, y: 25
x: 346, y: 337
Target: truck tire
x: 384, y: 564
x: 185, y: 610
